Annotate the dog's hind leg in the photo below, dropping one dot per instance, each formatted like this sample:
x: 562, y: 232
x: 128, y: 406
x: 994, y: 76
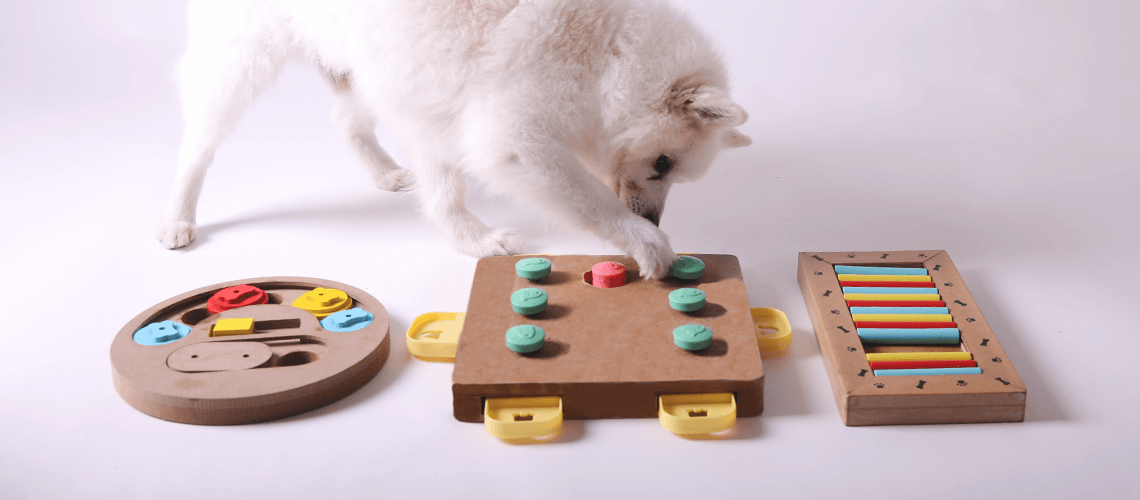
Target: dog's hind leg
x: 442, y: 192
x: 219, y: 79
x: 357, y: 124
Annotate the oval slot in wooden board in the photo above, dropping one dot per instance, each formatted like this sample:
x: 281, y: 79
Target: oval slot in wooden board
x: 288, y: 365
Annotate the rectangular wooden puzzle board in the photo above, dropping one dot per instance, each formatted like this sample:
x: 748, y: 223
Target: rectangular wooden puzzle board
x: 997, y: 394
x: 609, y: 352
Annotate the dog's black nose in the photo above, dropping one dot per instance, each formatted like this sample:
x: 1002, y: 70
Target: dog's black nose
x: 653, y: 217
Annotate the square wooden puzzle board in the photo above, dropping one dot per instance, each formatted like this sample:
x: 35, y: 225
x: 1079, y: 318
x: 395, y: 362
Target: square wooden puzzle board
x: 996, y: 395
x: 609, y: 352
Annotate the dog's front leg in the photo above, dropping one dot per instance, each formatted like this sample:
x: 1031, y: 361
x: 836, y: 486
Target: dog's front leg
x: 553, y: 179
x: 442, y: 193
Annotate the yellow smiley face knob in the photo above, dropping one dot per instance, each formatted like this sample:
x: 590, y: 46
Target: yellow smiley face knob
x: 323, y: 301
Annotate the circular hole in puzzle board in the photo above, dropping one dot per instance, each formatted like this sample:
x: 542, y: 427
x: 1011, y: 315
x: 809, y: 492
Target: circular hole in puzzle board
x: 194, y: 316
x: 297, y: 358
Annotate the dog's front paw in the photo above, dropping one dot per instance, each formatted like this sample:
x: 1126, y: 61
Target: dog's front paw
x: 500, y: 242
x: 649, y: 246
x: 397, y: 179
x: 176, y: 234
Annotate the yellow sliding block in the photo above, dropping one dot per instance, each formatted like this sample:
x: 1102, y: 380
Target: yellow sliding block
x: 697, y: 413
x: 892, y: 296
x: 766, y: 318
x: 435, y: 336
x: 943, y: 318
x: 232, y: 326
x: 919, y: 356
x: 882, y: 277
x: 521, y: 418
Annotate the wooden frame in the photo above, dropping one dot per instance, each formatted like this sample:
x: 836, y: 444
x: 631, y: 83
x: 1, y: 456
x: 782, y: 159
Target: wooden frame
x: 996, y: 395
x: 288, y: 365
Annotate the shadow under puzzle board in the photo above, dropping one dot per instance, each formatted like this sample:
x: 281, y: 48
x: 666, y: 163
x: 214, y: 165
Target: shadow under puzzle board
x: 609, y: 352
x: 995, y: 395
x: 300, y: 366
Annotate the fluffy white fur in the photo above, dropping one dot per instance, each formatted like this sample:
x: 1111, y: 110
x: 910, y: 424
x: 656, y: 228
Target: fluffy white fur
x: 568, y: 105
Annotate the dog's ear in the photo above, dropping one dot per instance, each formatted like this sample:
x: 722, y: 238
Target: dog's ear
x: 713, y: 107
x: 732, y: 138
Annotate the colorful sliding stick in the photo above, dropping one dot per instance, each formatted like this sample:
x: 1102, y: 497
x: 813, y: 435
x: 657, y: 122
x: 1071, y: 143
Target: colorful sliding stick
x: 902, y: 317
x: 896, y: 303
x: 929, y: 371
x: 889, y: 290
x: 919, y: 356
x: 879, y: 297
x: 909, y: 335
x: 839, y: 269
x: 898, y: 365
x: 892, y: 284
x: 883, y: 277
x: 899, y: 310
x: 906, y: 324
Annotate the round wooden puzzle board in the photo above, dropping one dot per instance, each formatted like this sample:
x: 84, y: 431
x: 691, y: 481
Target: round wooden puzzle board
x: 300, y: 366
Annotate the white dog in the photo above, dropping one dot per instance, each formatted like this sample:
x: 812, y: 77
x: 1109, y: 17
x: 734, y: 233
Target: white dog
x: 588, y: 109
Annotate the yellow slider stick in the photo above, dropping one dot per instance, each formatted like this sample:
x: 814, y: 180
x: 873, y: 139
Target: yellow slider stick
x: 946, y: 318
x: 891, y: 297
x: 919, y: 356
x: 881, y: 277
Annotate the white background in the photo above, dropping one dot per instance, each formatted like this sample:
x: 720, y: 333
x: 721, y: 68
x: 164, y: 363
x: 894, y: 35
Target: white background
x: 1007, y: 133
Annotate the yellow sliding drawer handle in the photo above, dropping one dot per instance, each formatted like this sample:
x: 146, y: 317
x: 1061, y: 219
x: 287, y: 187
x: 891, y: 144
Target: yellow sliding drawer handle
x: 697, y: 413
x: 519, y: 418
x: 766, y: 318
x: 435, y: 336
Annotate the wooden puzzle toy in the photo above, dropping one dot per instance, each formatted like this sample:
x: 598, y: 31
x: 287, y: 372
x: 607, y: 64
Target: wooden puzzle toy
x: 250, y: 350
x: 580, y: 337
x: 904, y: 342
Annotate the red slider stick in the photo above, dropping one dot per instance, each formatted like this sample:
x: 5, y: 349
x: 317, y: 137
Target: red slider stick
x: 607, y: 275
x: 896, y: 303
x: 950, y: 363
x: 895, y: 284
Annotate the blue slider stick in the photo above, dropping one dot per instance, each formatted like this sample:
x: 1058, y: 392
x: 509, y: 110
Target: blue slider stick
x: 909, y: 335
x: 881, y: 271
x: 930, y: 371
x: 890, y: 290
x: 900, y: 310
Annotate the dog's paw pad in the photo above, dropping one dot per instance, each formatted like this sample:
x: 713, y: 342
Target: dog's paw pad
x: 395, y: 180
x: 176, y: 234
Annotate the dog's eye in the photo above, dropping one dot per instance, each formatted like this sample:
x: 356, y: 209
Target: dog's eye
x: 663, y: 166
